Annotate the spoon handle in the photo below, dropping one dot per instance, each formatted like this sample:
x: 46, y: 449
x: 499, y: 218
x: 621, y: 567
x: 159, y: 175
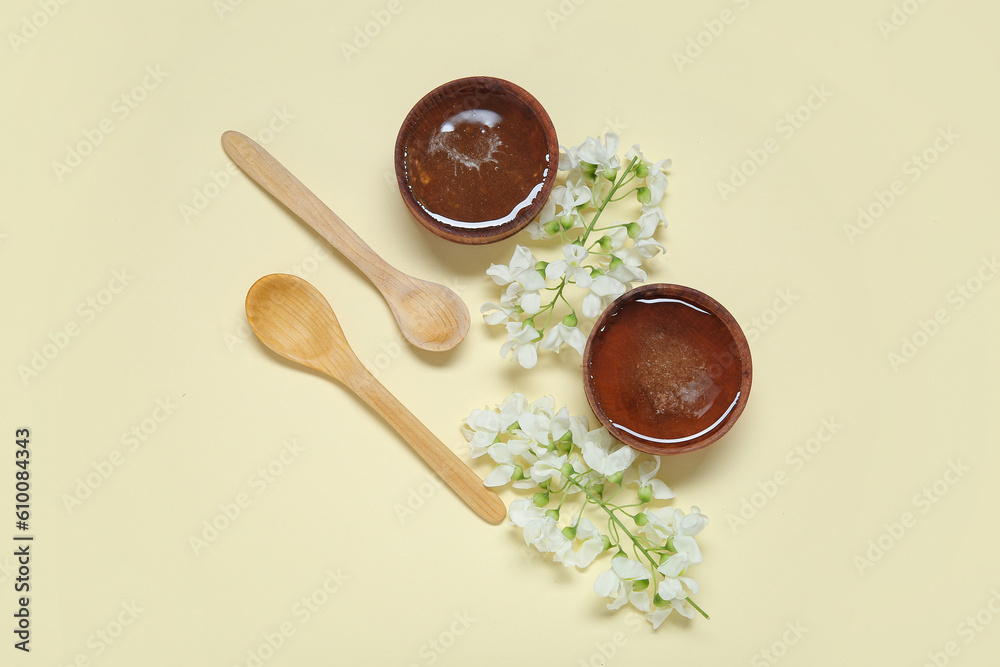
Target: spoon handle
x: 456, y: 474
x: 283, y: 186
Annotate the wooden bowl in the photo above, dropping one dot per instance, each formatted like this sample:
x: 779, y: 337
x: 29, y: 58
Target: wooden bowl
x: 476, y: 159
x: 667, y: 369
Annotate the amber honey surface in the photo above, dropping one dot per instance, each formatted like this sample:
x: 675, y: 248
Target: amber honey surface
x: 663, y: 370
x: 476, y: 161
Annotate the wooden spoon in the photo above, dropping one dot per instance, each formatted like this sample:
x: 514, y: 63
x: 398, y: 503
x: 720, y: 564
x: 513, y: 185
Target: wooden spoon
x: 431, y: 316
x: 292, y: 318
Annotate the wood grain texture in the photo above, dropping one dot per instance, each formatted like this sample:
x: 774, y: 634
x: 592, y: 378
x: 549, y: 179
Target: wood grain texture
x: 293, y: 319
x: 430, y: 316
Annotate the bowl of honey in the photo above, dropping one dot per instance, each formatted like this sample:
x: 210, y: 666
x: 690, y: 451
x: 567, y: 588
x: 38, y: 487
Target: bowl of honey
x: 476, y: 159
x: 667, y: 369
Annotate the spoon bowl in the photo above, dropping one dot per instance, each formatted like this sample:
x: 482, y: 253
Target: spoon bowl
x: 292, y: 318
x: 430, y: 316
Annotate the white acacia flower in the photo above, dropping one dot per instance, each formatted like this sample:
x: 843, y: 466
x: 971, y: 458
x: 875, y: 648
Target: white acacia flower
x: 548, y: 466
x: 521, y: 270
x: 591, y: 546
x: 540, y: 531
x: 571, y: 266
x: 560, y: 335
x: 596, y: 447
x: 656, y: 181
x: 503, y: 454
x: 522, y: 339
x: 568, y: 159
x: 481, y: 429
x: 511, y: 409
x: 603, y: 291
x: 617, y: 582
x: 670, y: 523
x: 602, y: 153
x: 644, y: 475
x: 649, y: 220
x: 496, y: 313
x: 674, y: 582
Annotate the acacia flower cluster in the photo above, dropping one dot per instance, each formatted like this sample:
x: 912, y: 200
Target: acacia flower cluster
x: 600, y: 261
x: 575, y: 477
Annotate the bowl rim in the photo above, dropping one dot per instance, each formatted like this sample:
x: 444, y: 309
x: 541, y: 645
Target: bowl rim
x: 739, y: 340
x: 476, y: 85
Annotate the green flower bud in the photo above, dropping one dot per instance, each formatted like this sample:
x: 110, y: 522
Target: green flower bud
x: 633, y: 229
x: 616, y: 478
x: 518, y: 310
x: 564, y: 447
x: 597, y: 489
x: 663, y: 558
x: 566, y: 437
x: 567, y: 469
x: 589, y: 170
x: 615, y: 262
x: 595, y: 272
x: 541, y: 499
x: 640, y: 585
x: 607, y: 542
x: 551, y: 228
x: 611, y: 174
x: 513, y: 427
x: 660, y: 602
x: 540, y: 266
x: 643, y: 195
x: 570, y: 321
x: 641, y: 170
x: 552, y: 514
x: 518, y: 474
x: 645, y: 494
x: 641, y: 519
x: 670, y: 544
x: 530, y: 322
x: 569, y: 532
x: 566, y: 221
x: 606, y: 243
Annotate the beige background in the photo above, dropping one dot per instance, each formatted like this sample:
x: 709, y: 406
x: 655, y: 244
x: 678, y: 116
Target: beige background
x: 404, y: 585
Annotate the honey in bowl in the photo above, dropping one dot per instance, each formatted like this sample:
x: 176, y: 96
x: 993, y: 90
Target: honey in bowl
x: 476, y: 159
x: 667, y: 369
